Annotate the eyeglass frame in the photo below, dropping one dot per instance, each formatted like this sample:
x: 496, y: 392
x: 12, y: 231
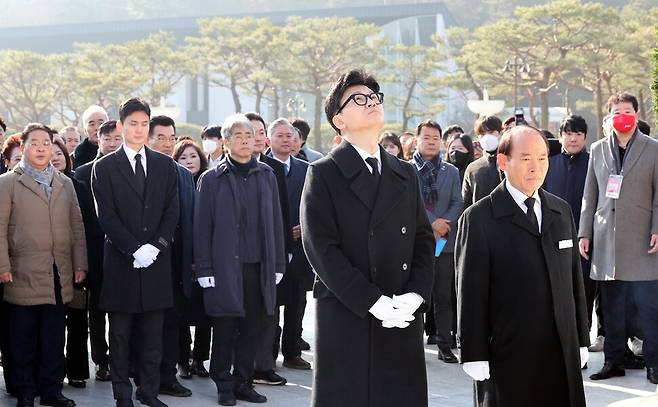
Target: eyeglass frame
x: 380, y: 98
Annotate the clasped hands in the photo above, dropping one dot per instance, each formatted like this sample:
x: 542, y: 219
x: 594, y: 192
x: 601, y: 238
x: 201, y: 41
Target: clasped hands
x: 398, y: 311
x: 145, y: 256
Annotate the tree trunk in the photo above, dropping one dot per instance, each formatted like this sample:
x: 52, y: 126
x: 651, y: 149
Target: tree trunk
x: 236, y: 96
x: 276, y: 104
x: 543, y: 98
x: 598, y: 102
x: 405, y: 108
x: 259, y: 97
x: 642, y: 105
x: 317, y: 115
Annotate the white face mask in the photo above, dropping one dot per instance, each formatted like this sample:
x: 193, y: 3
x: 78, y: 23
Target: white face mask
x: 489, y: 142
x: 209, y: 146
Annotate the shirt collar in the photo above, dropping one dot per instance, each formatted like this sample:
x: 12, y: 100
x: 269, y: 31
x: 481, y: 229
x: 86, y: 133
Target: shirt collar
x: 132, y: 153
x: 519, y: 197
x: 364, y: 154
x: 287, y: 162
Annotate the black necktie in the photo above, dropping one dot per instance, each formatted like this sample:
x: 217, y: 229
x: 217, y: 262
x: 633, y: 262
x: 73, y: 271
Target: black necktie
x: 374, y: 164
x: 532, y: 217
x: 140, y: 176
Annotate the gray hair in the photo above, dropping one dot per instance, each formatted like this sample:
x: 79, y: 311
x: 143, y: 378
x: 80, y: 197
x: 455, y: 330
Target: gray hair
x: 91, y: 110
x: 68, y: 129
x: 281, y: 121
x: 233, y: 120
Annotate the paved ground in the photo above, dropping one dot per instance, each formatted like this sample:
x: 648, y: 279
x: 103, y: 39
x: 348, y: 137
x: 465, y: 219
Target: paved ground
x: 448, y: 386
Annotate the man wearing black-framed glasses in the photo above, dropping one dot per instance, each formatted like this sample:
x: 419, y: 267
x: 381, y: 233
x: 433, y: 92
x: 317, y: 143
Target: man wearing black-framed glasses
x: 366, y: 234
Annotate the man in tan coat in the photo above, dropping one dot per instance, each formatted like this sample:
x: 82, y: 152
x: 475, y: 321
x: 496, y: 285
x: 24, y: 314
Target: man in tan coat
x: 619, y: 232
x: 42, y: 252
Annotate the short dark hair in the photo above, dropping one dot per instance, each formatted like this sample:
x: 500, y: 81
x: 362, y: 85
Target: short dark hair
x: 644, y: 127
x: 302, y: 126
x: 467, y: 142
x: 180, y: 147
x: 107, y: 127
x: 505, y: 144
x: 620, y: 98
x: 253, y: 116
x: 573, y: 124
x: 451, y: 129
x: 3, y: 124
x: 352, y: 78
x: 429, y: 123
x: 486, y: 124
x: 213, y: 131
x: 67, y: 156
x: 34, y: 127
x: 131, y: 106
x: 161, y: 120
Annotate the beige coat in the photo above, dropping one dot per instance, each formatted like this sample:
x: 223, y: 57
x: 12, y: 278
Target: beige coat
x: 620, y: 229
x: 35, y: 234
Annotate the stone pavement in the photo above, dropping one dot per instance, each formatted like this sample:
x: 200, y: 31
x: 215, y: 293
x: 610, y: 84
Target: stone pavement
x: 448, y: 385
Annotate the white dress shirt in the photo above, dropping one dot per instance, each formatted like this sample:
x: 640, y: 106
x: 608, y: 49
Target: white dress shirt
x: 286, y: 163
x: 519, y: 197
x: 131, y: 157
x: 364, y: 154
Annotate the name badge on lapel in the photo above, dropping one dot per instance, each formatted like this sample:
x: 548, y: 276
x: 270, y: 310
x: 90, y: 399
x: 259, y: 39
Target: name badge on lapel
x: 565, y: 244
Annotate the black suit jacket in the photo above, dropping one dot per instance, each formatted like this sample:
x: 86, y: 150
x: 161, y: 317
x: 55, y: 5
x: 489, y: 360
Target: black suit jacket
x: 520, y: 298
x: 280, y: 173
x: 130, y: 219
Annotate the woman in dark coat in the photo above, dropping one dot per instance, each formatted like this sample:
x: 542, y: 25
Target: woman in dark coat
x: 77, y: 324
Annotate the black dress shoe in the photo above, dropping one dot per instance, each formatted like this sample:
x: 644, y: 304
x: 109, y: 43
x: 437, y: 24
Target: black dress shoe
x: 226, y: 398
x: 446, y: 355
x: 151, y: 402
x: 199, y: 369
x: 25, y: 403
x: 246, y: 392
x: 296, y: 363
x: 78, y: 384
x: 57, y: 401
x: 184, y: 371
x: 103, y: 373
x: 270, y: 378
x: 432, y: 340
x: 633, y: 362
x: 175, y: 389
x: 304, y: 345
x: 609, y: 370
x: 652, y: 375
x: 125, y: 403
x: 584, y: 366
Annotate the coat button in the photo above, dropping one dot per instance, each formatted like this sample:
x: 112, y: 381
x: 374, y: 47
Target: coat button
x: 374, y: 270
x: 237, y: 257
x: 403, y: 230
x: 404, y: 266
x: 145, y: 229
x: 372, y: 233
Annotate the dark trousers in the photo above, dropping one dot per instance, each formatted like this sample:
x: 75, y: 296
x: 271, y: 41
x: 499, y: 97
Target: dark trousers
x: 148, y: 334
x: 293, y: 315
x: 170, y: 346
x: 4, y: 339
x: 240, y: 348
x: 264, y: 359
x: 36, y: 340
x: 201, y: 349
x: 442, y: 294
x: 97, y: 331
x: 592, y: 297
x: 77, y: 359
x: 616, y: 296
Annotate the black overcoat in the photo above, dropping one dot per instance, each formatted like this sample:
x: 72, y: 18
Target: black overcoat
x: 131, y: 219
x: 364, y: 242
x: 520, y: 300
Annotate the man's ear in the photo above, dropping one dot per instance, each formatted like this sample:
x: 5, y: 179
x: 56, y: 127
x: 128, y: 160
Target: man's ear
x: 501, y: 159
x: 120, y: 127
x: 338, y: 122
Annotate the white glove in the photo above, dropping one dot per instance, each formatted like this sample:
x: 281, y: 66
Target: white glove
x: 479, y: 371
x: 584, y: 356
x: 278, y: 277
x: 206, y: 282
x: 384, y: 311
x: 145, y: 256
x: 408, y: 302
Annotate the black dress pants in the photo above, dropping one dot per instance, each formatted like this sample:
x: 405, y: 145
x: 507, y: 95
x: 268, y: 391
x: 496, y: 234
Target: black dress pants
x: 238, y: 349
x: 442, y: 294
x: 97, y: 331
x: 146, y: 328
x: 293, y: 315
x: 77, y: 356
x: 36, y: 340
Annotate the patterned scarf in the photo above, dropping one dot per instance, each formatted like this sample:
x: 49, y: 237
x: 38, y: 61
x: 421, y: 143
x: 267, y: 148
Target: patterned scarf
x: 43, y: 178
x: 428, y: 172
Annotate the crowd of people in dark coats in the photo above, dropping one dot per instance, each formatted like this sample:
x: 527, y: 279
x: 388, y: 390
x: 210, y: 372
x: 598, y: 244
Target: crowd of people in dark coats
x: 163, y: 253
